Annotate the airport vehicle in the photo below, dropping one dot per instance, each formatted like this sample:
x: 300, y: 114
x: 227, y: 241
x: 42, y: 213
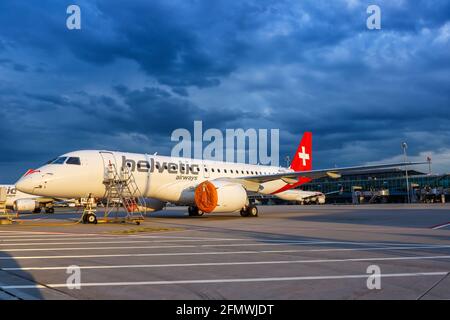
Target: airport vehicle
x: 23, y: 202
x: 205, y: 186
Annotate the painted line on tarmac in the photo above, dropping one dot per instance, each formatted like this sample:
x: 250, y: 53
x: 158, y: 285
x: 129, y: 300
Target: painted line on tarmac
x: 440, y: 226
x: 236, y: 263
x: 105, y: 242
x: 218, y: 253
x: 214, y: 281
x: 175, y: 246
x: 137, y: 239
x: 63, y: 238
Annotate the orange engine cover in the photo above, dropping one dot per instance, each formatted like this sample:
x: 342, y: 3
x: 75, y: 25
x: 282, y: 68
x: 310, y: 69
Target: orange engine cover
x: 206, y: 196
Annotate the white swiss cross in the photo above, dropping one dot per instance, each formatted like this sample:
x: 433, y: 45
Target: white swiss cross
x: 303, y: 155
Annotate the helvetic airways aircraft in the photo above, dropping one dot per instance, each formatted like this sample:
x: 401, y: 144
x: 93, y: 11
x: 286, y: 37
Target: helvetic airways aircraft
x: 203, y: 185
x: 23, y: 202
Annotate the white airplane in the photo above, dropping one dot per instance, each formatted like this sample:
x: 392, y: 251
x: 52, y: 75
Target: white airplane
x: 23, y: 202
x: 203, y: 185
x: 303, y: 197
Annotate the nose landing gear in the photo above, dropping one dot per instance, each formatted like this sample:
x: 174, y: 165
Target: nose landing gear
x: 90, y: 218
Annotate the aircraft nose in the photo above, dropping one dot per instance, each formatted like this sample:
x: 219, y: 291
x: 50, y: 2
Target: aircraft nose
x: 29, y: 182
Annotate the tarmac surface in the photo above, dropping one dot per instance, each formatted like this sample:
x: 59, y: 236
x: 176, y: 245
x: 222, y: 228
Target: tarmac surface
x: 288, y: 252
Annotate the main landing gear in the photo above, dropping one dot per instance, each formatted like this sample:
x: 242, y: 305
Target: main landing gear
x: 194, y: 212
x: 49, y: 210
x: 249, y: 211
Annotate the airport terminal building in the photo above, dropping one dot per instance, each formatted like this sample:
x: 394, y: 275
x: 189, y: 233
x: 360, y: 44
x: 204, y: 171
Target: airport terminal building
x: 383, y: 186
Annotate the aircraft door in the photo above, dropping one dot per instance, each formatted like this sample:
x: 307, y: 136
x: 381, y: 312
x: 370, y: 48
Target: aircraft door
x: 108, y: 158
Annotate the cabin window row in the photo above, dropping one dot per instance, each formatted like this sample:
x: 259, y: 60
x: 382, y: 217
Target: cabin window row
x: 233, y: 171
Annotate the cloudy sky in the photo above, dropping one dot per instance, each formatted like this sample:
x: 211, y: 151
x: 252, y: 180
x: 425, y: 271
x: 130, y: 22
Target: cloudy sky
x: 139, y: 69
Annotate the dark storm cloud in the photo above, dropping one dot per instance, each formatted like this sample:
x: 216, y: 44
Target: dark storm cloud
x: 138, y: 70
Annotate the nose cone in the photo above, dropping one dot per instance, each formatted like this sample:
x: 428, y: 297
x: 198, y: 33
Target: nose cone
x: 29, y: 182
x: 25, y: 184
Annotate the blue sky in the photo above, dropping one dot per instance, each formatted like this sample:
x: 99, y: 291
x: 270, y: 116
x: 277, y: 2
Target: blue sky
x: 138, y: 70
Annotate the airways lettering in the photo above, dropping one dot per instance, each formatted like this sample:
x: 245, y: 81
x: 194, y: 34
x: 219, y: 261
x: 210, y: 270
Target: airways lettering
x: 170, y: 167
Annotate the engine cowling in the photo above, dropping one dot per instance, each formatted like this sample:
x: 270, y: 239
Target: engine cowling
x: 152, y: 205
x: 25, y: 205
x: 220, y: 196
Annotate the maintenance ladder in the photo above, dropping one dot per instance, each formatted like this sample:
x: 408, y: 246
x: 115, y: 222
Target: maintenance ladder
x: 121, y: 190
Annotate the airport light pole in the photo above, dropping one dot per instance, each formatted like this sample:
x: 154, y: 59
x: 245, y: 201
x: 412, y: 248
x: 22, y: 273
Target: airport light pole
x: 405, y: 146
x: 288, y: 161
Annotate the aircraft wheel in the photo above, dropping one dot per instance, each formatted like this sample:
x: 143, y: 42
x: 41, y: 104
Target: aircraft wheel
x: 244, y: 213
x: 191, y: 211
x: 37, y: 210
x: 194, y: 212
x: 50, y: 210
x: 91, y: 218
x: 252, y: 211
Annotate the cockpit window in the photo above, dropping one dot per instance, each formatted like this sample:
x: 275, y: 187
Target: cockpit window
x: 59, y: 160
x: 50, y: 161
x: 73, y: 160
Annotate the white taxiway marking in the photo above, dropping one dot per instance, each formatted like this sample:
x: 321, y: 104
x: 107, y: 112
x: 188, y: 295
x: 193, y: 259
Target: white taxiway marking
x: 441, y: 226
x: 109, y: 237
x: 237, y: 263
x: 219, y: 252
x: 238, y: 280
x: 181, y: 246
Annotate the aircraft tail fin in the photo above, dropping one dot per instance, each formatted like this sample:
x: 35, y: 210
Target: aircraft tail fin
x: 302, y: 160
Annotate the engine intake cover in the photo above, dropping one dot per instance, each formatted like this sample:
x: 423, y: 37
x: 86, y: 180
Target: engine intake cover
x: 220, y: 196
x: 206, y: 196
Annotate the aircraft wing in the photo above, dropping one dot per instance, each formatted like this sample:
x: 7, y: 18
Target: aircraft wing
x: 252, y: 182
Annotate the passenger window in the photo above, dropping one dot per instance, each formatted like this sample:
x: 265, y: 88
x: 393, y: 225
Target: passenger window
x: 73, y: 160
x: 212, y: 169
x: 225, y: 170
x: 218, y: 170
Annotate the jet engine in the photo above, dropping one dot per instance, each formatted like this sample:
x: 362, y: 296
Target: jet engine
x: 220, y: 196
x: 25, y: 205
x: 152, y: 205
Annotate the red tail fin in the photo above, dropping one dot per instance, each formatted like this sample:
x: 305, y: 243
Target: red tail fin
x: 302, y: 160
